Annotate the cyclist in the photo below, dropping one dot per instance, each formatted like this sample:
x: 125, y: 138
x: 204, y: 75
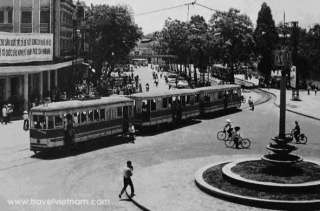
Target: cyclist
x: 235, y: 136
x: 228, y: 127
x: 296, y: 131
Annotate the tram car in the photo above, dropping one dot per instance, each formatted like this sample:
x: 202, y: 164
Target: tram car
x: 169, y: 106
x: 219, y: 97
x: 92, y: 119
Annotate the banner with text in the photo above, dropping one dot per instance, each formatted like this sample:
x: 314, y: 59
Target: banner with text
x: 20, y: 47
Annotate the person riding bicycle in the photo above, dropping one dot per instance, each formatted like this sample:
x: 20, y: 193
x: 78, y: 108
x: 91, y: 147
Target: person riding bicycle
x: 228, y: 127
x: 235, y: 136
x: 296, y: 131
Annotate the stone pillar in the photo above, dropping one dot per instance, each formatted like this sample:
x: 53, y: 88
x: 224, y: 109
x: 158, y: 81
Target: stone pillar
x: 16, y: 16
x: 41, y: 84
x: 36, y: 16
x: 8, y: 88
x: 26, y: 91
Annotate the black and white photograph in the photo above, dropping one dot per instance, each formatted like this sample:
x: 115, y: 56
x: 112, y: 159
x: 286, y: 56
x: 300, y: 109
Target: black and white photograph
x: 159, y: 105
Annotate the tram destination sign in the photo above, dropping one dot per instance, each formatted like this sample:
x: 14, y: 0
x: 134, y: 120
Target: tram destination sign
x: 25, y: 47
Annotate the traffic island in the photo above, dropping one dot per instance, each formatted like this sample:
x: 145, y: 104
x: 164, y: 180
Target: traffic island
x: 235, y: 182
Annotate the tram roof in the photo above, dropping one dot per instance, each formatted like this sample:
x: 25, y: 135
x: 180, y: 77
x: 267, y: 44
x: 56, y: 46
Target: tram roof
x: 75, y: 104
x: 162, y: 93
x: 218, y: 87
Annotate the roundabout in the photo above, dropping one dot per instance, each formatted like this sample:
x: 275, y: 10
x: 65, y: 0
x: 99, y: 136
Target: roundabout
x: 220, y: 180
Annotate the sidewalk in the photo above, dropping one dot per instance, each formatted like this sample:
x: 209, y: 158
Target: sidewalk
x: 308, y: 106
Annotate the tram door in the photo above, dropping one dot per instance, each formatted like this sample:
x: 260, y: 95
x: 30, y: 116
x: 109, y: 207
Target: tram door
x: 148, y: 114
x: 146, y: 106
x: 125, y: 119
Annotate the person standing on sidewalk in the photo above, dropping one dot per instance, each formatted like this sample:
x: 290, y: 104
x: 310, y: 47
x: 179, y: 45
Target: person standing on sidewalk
x: 5, y: 113
x: 25, y: 120
x: 127, y: 173
x: 315, y: 91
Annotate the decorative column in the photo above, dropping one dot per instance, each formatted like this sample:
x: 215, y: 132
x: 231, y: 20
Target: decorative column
x: 36, y: 16
x: 16, y: 16
x: 26, y: 91
x: 282, y: 122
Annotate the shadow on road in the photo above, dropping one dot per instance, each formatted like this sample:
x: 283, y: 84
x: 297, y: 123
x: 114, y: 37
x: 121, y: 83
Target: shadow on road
x: 154, y: 130
x: 81, y: 148
x: 219, y: 114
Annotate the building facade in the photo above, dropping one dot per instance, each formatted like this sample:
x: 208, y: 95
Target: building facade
x: 36, y: 49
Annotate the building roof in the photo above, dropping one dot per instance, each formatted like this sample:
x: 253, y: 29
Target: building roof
x: 75, y: 104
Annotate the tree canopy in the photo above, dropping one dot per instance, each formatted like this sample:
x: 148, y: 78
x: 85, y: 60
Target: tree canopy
x: 113, y: 33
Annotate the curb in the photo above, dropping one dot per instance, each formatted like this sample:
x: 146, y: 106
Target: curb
x: 226, y: 171
x: 292, y: 111
x: 139, y: 205
x: 283, y: 204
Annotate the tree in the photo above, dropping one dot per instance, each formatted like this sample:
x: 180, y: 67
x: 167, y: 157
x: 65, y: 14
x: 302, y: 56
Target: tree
x: 235, y: 44
x: 266, y: 38
x: 113, y: 34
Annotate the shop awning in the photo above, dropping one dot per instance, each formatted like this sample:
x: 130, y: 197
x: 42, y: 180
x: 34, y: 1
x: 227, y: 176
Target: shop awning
x: 20, y: 70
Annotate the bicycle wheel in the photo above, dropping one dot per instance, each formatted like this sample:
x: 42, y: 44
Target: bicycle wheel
x: 221, y: 135
x: 245, y: 143
x: 303, y: 139
x: 229, y: 143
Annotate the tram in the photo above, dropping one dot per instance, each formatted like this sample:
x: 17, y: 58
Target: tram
x: 154, y: 108
x: 112, y: 115
x: 92, y: 119
x: 219, y: 97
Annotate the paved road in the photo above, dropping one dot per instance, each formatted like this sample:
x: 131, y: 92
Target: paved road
x: 164, y: 165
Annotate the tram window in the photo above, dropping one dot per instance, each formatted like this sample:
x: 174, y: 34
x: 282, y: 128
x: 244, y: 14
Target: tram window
x: 96, y: 115
x: 197, y: 98
x: 39, y: 122
x: 76, y: 118
x: 220, y: 95
x: 188, y: 99
x: 183, y: 100
x: 119, y: 111
x: 164, y: 103
x: 83, y: 117
x: 102, y: 114
x: 207, y: 99
x: 58, y: 121
x: 144, y: 106
x: 90, y: 115
x: 50, y: 122
x: 153, y: 105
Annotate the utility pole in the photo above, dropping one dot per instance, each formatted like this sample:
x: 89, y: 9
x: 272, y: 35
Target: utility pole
x: 295, y: 41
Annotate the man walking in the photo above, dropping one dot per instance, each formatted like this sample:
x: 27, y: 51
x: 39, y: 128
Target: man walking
x: 127, y: 173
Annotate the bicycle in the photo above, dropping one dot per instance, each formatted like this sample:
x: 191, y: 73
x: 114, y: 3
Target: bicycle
x: 222, y: 135
x: 243, y: 143
x: 302, y: 138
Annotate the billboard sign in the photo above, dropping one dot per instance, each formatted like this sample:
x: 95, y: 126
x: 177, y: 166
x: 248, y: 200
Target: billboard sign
x: 25, y: 47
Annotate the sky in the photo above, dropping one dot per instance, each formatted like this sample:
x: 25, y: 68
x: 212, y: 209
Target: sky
x: 306, y: 12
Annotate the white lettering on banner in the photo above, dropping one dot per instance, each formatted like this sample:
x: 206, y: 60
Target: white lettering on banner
x: 25, y: 47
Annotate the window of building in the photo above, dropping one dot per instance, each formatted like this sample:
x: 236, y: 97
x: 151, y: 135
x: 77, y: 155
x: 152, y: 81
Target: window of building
x: 1, y: 16
x: 10, y: 13
x: 26, y: 16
